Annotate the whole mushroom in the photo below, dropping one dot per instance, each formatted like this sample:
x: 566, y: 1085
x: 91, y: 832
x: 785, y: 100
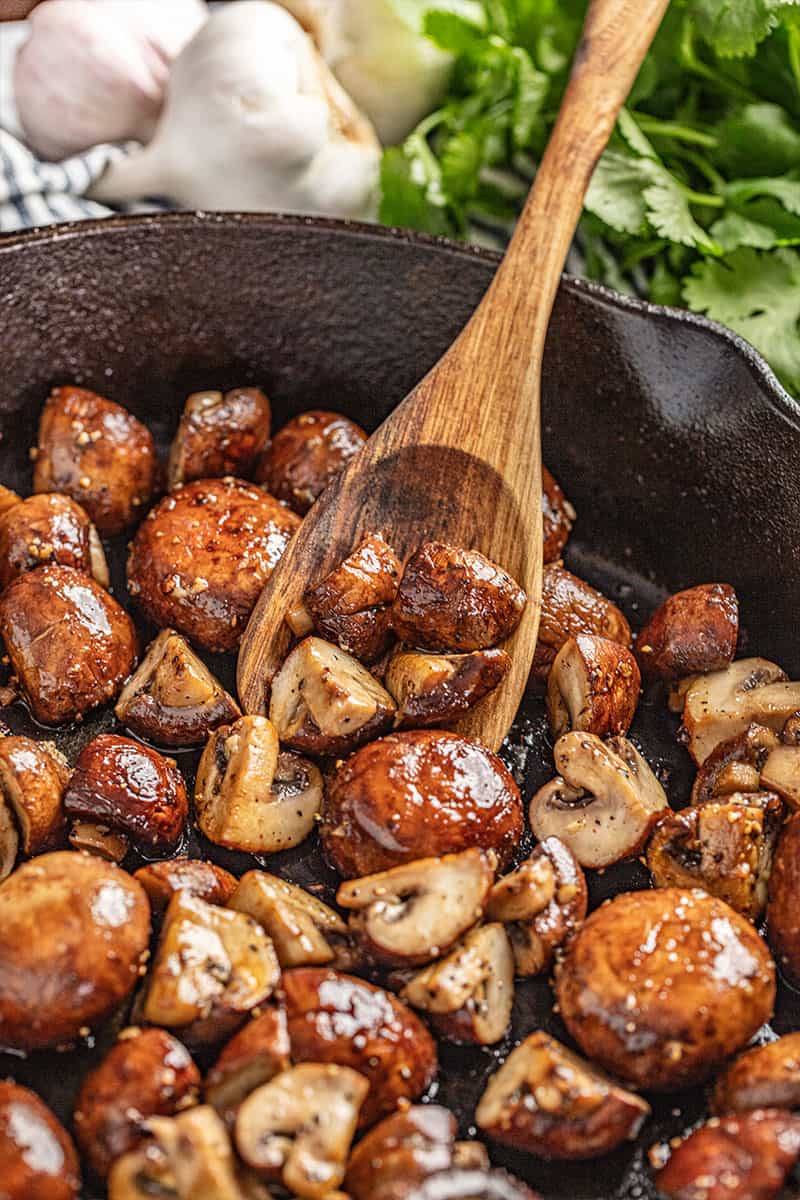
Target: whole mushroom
x: 743, y: 1157
x: 33, y: 776
x: 571, y: 606
x: 49, y: 528
x: 37, y: 1157
x: 352, y: 605
x: 767, y: 1076
x: 219, y: 435
x: 253, y: 1056
x: 306, y: 454
x: 691, y: 633
x: 783, y: 915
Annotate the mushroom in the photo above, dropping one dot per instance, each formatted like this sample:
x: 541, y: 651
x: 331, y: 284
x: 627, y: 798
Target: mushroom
x: 146, y: 1073
x: 172, y: 699
x: 74, y: 933
x: 783, y: 918
x: 593, y: 687
x: 306, y: 454
x: 96, y: 452
x: 602, y: 804
x: 415, y: 912
x: 352, y: 605
x: 547, y: 1101
x: 735, y: 765
x: 468, y: 995
x: 743, y: 1157
x: 691, y: 633
x: 324, y: 701
x: 189, y: 1158
x: 219, y: 435
x: 660, y: 987
x: 249, y: 796
x: 415, y: 795
x: 131, y: 789
x: 70, y: 644
x: 37, y: 1157
x: 570, y: 607
x: 7, y: 499
x: 49, y: 528
x: 336, y: 1018
x: 558, y: 517
x: 304, y: 931
x: 451, y: 598
x: 200, y: 559
x: 212, y: 967
x: 435, y: 689
x: 98, y: 839
x: 767, y: 1076
x: 161, y: 880
x: 724, y: 847
x: 722, y: 704
x: 541, y: 904
x: 254, y: 1055
x: 33, y: 776
x: 297, y: 1129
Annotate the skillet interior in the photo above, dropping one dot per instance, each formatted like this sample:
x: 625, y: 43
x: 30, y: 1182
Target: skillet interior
x: 676, y: 445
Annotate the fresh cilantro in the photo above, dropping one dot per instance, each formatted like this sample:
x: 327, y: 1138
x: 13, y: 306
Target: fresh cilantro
x: 733, y: 27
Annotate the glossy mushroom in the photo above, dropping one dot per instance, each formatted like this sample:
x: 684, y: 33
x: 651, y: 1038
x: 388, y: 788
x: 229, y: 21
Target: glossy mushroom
x: 219, y: 434
x: 161, y: 880
x: 691, y: 633
x: 37, y: 1157
x: 304, y: 931
x: 719, y: 705
x: 352, y: 605
x: 558, y: 517
x: 593, y: 687
x: 306, y: 454
x: 783, y: 913
x: 767, y: 1076
x: 49, y: 528
x: 33, y: 776
x: 253, y: 1056
x: 757, y: 759
x: 570, y: 606
x: 188, y: 1157
x: 436, y: 689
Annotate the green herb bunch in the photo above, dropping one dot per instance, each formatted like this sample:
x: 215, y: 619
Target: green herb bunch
x: 696, y: 202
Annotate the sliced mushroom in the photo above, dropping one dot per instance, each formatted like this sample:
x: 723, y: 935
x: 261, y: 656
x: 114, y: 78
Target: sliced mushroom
x: 593, y: 687
x: 33, y: 776
x: 352, y: 605
x: 569, y: 607
x: 219, y: 435
x: 783, y: 911
x: 472, y: 1183
x: 49, y: 528
x: 189, y: 1158
x: 161, y: 880
x: 297, y: 1129
x: 253, y: 1056
x: 304, y: 931
x: 735, y: 765
x: 98, y: 839
x: 541, y: 904
x: 213, y: 966
x: 468, y: 995
x: 765, y: 1077
x: 249, y: 796
x: 415, y: 912
x: 549, y: 1102
x: 722, y: 704
x: 325, y: 702
x: 691, y: 633
x: 173, y: 699
x: 434, y: 689
x: 724, y: 847
x: 603, y: 803
x: 403, y: 1150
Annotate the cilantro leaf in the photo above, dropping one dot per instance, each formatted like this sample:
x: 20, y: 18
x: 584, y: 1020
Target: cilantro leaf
x: 616, y: 192
x: 452, y: 32
x: 669, y: 213
x: 786, y: 191
x: 405, y: 199
x: 758, y: 139
x: 735, y: 230
x: 733, y: 27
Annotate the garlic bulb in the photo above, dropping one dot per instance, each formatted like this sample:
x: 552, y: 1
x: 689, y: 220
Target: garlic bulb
x: 253, y: 120
x: 96, y: 70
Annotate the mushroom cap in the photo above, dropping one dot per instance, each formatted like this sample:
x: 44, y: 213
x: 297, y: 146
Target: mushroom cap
x: 745, y: 1156
x: 692, y: 632
x: 721, y: 704
x: 304, y: 931
x: 306, y: 454
x: 254, y: 1055
x: 351, y: 605
x: 37, y: 1157
x: 593, y: 686
x: 402, y: 1150
x: 49, y: 528
x: 783, y: 928
x: 571, y: 606
x: 767, y: 1076
x: 219, y: 435
x: 161, y: 880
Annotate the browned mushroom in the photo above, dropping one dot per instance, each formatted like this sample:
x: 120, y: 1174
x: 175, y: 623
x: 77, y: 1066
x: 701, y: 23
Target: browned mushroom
x: 33, y: 776
x: 722, y: 704
x: 200, y: 560
x: 129, y: 788
x: 219, y: 435
x: 249, y: 796
x: 172, y: 699
x: 74, y: 932
x: 602, y: 804
x: 783, y: 912
x: 161, y: 880
x: 297, y: 1128
x: 352, y: 605
x: 416, y: 795
x: 415, y: 912
x: 541, y: 904
x: 467, y: 996
x: 744, y: 1157
x: 735, y: 765
x: 189, y: 1157
x: 724, y: 847
x: 70, y: 644
x: 97, y: 452
x: 435, y: 689
x: 256, y: 1054
x: 37, y: 1157
x: 661, y: 986
x: 593, y: 687
x: 213, y: 966
x: 336, y: 1018
x: 691, y: 633
x: 558, y: 516
x: 98, y: 839
x: 324, y: 701
x: 570, y: 607
x: 49, y: 528
x: 548, y: 1101
x: 765, y: 1077
x: 306, y: 454
x: 451, y: 598
x: 147, y: 1073
x: 472, y: 1183
x: 7, y: 499
x: 304, y: 931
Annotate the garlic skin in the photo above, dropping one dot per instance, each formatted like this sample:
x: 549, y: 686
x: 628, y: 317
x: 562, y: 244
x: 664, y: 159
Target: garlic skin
x: 253, y: 120
x: 95, y: 71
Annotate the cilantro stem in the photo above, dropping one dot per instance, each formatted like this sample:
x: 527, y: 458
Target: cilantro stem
x: 674, y: 131
x: 690, y: 60
x: 705, y: 168
x: 794, y: 53
x: 702, y: 198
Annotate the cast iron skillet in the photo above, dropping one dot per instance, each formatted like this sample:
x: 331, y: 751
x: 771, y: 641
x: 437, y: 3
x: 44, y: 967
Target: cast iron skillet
x: 675, y: 443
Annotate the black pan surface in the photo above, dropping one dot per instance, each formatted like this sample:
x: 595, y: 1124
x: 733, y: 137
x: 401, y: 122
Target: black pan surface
x: 675, y: 443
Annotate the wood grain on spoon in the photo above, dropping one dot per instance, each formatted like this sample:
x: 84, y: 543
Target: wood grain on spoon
x: 459, y: 459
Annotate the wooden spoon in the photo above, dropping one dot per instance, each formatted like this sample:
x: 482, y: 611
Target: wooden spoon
x: 459, y: 459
